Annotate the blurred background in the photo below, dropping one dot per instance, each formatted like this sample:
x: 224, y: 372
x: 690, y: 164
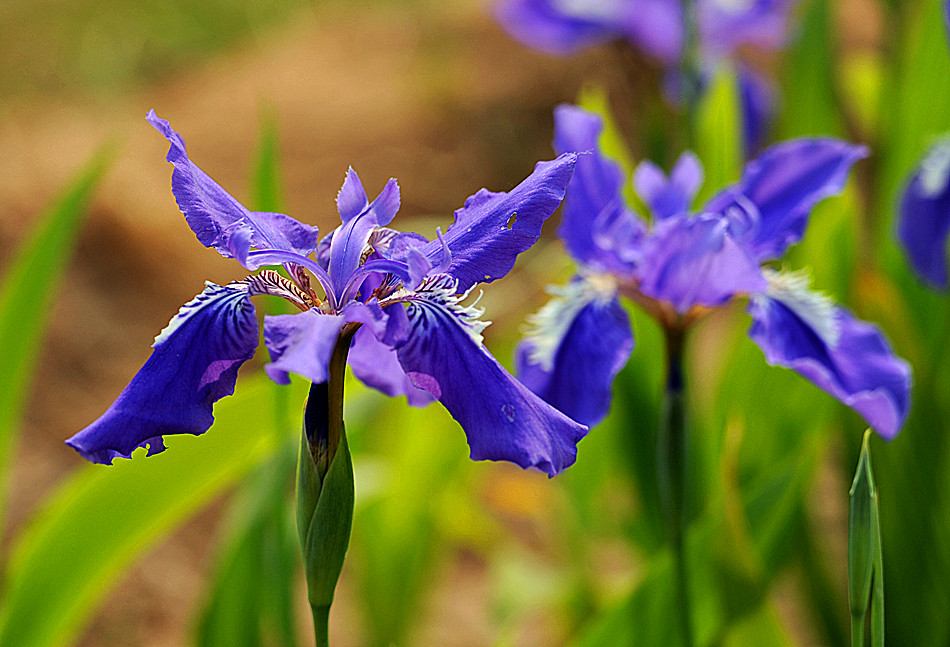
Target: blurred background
x: 444, y: 551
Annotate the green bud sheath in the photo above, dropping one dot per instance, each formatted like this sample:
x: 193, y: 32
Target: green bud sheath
x: 865, y: 561
x: 325, y: 491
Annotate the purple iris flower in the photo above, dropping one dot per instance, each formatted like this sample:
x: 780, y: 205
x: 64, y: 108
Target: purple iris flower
x: 405, y: 293
x: 681, y: 265
x: 924, y: 223
x: 656, y: 27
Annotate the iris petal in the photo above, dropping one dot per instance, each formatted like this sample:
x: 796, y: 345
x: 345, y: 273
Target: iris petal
x: 671, y: 196
x: 493, y: 228
x: 859, y: 368
x: 194, y: 364
x: 302, y: 344
x: 377, y: 366
x: 691, y: 261
x: 769, y: 206
x: 925, y: 216
x: 502, y: 419
x: 594, y: 208
x: 591, y: 342
x: 215, y: 216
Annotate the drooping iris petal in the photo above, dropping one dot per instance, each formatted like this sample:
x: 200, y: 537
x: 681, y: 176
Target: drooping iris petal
x: 301, y: 344
x: 581, y: 340
x: 194, y: 363
x: 691, y: 261
x: 493, y: 228
x: 859, y: 368
x: 671, y: 196
x: 768, y: 208
x: 216, y: 217
x: 502, y: 419
x: 594, y: 209
x: 349, y: 240
x: 376, y: 365
x: 924, y: 223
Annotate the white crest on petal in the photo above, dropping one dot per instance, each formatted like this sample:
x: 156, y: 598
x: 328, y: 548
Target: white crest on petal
x: 816, y: 309
x: 545, y: 329
x: 442, y: 290
x: 935, y: 169
x: 211, y: 293
x: 589, y: 9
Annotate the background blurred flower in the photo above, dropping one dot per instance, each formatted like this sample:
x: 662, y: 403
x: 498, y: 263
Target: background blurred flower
x: 924, y: 222
x: 685, y: 264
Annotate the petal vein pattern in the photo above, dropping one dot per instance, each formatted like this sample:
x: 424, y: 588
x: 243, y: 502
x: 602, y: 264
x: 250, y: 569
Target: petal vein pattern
x: 194, y: 364
x: 502, y: 419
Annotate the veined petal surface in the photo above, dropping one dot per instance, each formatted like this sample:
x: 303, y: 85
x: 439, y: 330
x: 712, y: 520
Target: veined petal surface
x: 493, y: 228
x: 580, y: 341
x: 216, y: 217
x: 502, y: 419
x: 769, y: 207
x: 194, y: 364
x: 855, y: 365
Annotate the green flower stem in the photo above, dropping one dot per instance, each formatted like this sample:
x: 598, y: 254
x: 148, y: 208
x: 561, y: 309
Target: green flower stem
x: 672, y: 472
x: 691, y: 70
x: 325, y: 492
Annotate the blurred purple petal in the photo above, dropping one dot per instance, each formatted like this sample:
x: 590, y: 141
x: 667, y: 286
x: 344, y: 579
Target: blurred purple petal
x: 924, y: 223
x: 726, y: 26
x: 215, y: 216
x: 301, y: 344
x: 691, y: 261
x: 856, y: 365
x: 553, y: 27
x: 502, y: 419
x: 581, y: 340
x: 194, y: 364
x: 493, y: 228
x: 594, y: 210
x: 671, y: 196
x: 769, y: 207
x: 757, y: 100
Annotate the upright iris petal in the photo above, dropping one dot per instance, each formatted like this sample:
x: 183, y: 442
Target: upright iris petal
x: 924, y: 224
x: 216, y: 217
x: 769, y: 206
x: 671, y: 196
x: 594, y: 209
x: 194, y: 364
x: 493, y: 228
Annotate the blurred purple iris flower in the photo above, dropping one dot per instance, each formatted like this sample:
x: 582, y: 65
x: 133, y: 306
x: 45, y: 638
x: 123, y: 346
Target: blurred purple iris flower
x: 924, y: 223
x: 405, y: 292
x: 684, y: 264
x: 656, y: 27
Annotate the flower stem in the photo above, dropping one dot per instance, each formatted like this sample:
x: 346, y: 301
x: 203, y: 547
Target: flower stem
x: 321, y: 624
x: 690, y: 69
x: 671, y: 446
